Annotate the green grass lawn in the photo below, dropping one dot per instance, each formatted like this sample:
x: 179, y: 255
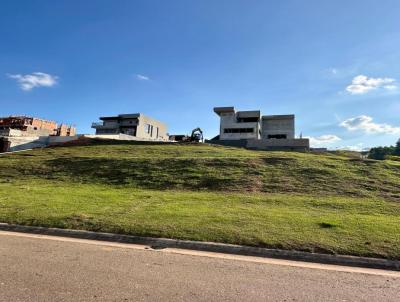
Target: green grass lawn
x: 329, y: 203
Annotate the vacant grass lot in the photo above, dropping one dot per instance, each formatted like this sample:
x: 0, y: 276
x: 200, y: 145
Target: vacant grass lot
x: 328, y: 203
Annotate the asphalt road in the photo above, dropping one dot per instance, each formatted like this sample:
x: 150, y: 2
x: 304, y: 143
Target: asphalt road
x: 44, y: 268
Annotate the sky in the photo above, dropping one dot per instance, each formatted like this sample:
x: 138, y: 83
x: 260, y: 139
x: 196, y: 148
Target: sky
x: 334, y: 64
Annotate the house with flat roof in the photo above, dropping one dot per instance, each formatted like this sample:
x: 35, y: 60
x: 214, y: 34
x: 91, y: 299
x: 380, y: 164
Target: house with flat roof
x: 135, y: 124
x: 238, y: 125
x: 251, y: 130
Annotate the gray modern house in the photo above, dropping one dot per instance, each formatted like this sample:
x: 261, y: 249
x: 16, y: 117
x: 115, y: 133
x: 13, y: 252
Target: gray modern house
x: 136, y: 124
x: 238, y: 125
x: 251, y: 130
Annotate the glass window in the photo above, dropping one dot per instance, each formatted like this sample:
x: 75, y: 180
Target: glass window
x: 147, y: 128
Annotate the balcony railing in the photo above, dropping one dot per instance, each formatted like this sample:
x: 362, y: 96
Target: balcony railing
x: 99, y: 124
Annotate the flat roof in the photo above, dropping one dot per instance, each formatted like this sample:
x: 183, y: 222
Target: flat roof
x: 219, y: 110
x: 245, y: 113
x: 120, y: 116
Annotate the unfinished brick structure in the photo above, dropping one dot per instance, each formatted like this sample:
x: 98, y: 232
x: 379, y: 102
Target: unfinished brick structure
x: 66, y: 130
x: 31, y: 126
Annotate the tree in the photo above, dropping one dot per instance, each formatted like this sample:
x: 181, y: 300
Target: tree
x: 381, y: 152
x: 397, y: 148
x: 384, y: 152
x: 377, y: 153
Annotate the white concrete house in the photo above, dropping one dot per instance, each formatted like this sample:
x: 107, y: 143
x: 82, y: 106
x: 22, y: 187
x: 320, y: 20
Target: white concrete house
x: 238, y: 125
x: 251, y: 130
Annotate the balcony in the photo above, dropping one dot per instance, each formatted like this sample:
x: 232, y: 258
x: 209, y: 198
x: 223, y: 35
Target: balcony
x: 97, y: 125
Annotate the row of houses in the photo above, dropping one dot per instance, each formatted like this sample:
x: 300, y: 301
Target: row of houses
x: 247, y: 129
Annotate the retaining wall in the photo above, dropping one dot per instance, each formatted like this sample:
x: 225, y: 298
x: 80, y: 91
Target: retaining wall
x: 18, y: 143
x: 296, y: 144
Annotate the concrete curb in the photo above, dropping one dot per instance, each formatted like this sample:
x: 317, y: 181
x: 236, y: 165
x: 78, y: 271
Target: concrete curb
x: 160, y: 243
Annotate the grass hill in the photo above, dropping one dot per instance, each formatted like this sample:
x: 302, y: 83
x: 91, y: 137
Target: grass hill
x: 332, y: 203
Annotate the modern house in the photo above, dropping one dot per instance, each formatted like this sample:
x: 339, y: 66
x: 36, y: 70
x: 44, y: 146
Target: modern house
x: 238, y: 125
x: 136, y: 124
x: 251, y: 130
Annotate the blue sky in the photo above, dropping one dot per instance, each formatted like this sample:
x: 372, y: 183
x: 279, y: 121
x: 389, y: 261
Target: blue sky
x: 335, y: 64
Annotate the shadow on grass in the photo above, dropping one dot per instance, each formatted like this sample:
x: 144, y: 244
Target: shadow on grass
x: 194, y: 174
x: 283, y: 175
x: 107, y: 142
x: 326, y: 225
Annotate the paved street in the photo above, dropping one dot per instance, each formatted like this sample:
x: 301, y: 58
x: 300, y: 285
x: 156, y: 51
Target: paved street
x: 41, y: 268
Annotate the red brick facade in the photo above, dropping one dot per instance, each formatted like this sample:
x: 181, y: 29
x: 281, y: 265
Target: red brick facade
x: 36, y: 126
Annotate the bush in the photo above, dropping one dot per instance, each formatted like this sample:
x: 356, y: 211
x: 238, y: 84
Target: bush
x: 381, y: 153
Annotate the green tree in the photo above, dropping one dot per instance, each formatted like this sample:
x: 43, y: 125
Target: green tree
x: 381, y: 152
x: 397, y: 148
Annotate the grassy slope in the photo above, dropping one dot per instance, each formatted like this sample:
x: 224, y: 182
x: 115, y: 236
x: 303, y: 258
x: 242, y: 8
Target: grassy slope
x: 325, y: 203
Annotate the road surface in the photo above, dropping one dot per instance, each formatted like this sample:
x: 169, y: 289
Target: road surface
x: 45, y: 268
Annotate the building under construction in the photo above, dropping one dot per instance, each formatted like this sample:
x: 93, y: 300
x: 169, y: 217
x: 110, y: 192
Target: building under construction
x: 24, y: 132
x: 31, y: 126
x: 252, y: 130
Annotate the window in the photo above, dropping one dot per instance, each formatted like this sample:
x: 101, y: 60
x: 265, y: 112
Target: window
x: 147, y: 128
x: 130, y: 131
x: 110, y: 122
x: 247, y: 119
x: 277, y: 136
x: 239, y: 130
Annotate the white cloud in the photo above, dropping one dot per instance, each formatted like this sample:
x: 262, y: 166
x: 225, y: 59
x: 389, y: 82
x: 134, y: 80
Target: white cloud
x: 365, y: 123
x: 359, y: 147
x: 390, y: 87
x: 142, y: 77
x: 36, y: 79
x: 324, y: 139
x: 362, y: 84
